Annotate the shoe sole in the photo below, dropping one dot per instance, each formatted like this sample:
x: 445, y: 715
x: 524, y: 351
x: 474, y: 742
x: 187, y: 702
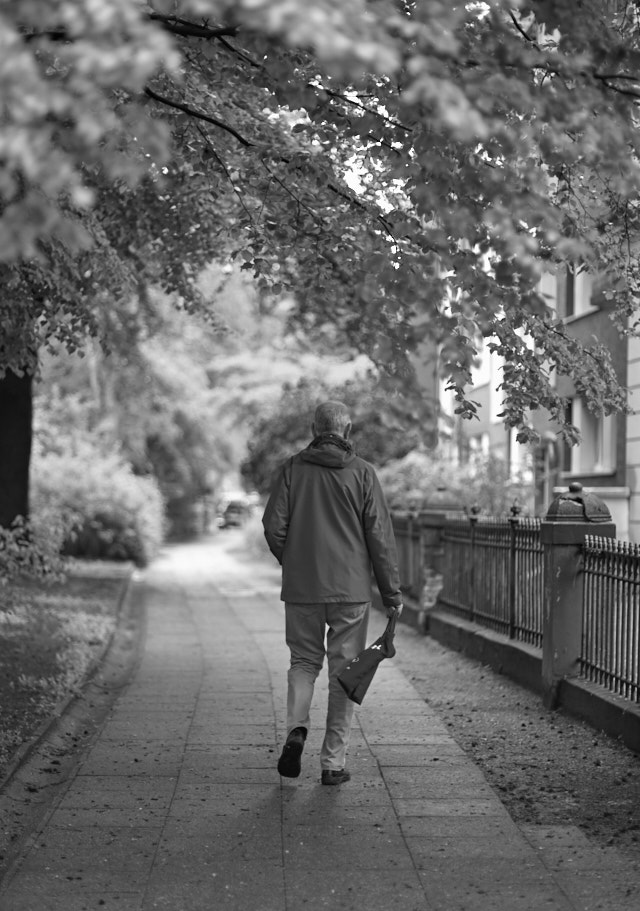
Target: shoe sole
x: 332, y: 782
x: 289, y: 764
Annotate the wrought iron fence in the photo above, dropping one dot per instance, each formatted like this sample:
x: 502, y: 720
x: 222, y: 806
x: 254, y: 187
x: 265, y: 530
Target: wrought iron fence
x: 494, y: 574
x: 611, y: 616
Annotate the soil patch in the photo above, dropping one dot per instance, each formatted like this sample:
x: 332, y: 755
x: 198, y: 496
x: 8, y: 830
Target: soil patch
x: 548, y: 768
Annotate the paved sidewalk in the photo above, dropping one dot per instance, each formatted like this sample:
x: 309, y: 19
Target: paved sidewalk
x: 177, y: 804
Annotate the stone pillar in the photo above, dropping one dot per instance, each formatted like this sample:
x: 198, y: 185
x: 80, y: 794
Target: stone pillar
x: 569, y: 518
x: 431, y: 533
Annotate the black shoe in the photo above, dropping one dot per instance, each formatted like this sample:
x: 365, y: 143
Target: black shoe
x: 289, y: 764
x: 335, y: 776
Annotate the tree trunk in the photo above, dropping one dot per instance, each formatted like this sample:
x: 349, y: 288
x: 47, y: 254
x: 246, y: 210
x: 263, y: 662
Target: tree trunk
x: 16, y: 412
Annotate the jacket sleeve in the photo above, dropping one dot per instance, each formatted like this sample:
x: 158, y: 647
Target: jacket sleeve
x: 381, y: 542
x: 276, y: 514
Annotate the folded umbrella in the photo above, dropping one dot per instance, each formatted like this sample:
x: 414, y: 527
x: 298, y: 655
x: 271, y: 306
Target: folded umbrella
x: 359, y: 672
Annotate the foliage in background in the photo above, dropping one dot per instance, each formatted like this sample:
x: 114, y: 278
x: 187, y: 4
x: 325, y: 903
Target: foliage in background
x: 148, y: 399
x: 423, y: 480
x: 386, y: 424
x: 110, y: 512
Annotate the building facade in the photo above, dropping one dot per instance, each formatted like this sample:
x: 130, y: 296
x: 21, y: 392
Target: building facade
x: 607, y: 460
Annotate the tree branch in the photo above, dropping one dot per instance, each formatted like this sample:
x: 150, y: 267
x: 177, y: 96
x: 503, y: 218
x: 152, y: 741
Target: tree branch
x: 198, y: 115
x: 172, y: 24
x: 241, y: 54
x: 363, y: 107
x: 629, y: 93
x: 222, y: 164
x: 521, y: 30
x: 356, y: 202
x: 183, y: 27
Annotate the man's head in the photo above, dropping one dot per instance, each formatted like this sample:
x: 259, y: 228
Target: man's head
x: 332, y: 417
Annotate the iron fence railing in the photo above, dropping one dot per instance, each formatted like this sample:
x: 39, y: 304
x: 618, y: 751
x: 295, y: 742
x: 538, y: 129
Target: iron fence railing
x: 491, y: 571
x: 494, y: 574
x: 611, y: 616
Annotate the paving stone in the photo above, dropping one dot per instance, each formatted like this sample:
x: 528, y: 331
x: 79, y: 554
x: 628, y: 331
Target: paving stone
x: 152, y: 815
x: 207, y: 825
x: 463, y: 806
x: 226, y: 772
x: 224, y: 800
x: 147, y: 727
x: 235, y: 734
x: 89, y: 791
x: 460, y: 826
x: 454, y: 781
x: 249, y: 890
x: 106, y: 761
x: 600, y: 890
x: 331, y: 816
x: 468, y: 894
x: 438, y: 853
x: 440, y: 749
x: 340, y: 849
x: 216, y: 843
x: 387, y: 737
x: 232, y: 754
x: 356, y: 890
x: 85, y: 849
x: 36, y: 895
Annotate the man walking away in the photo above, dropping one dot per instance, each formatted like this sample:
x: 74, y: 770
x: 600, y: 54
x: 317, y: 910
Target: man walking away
x: 327, y: 524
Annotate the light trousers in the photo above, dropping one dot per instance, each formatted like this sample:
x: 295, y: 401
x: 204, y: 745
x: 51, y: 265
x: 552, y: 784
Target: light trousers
x: 345, y: 627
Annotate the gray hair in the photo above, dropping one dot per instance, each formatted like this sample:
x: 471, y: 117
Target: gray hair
x: 331, y: 417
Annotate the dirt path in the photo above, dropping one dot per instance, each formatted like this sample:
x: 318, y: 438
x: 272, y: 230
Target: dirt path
x: 548, y: 768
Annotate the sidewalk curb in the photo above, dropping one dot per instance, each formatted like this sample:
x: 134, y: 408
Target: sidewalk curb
x: 26, y: 749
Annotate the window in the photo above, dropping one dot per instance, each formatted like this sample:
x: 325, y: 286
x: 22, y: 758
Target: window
x: 574, y: 291
x: 596, y: 453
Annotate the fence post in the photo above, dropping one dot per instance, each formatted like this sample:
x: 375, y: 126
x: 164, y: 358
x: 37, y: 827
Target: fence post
x: 409, y: 552
x: 569, y: 518
x: 431, y: 534
x: 473, y: 519
x: 513, y: 522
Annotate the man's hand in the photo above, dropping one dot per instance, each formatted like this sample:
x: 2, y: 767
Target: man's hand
x: 395, y: 610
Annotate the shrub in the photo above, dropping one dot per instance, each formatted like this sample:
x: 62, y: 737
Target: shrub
x: 32, y: 549
x: 110, y: 513
x: 423, y: 480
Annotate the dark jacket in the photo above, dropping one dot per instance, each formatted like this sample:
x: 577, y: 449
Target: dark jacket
x: 328, y: 524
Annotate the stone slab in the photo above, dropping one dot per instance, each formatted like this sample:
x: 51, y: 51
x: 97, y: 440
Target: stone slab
x: 213, y: 843
x: 260, y: 891
x: 119, y: 791
x: 36, y: 895
x: 356, y: 890
x: 463, y: 894
x: 151, y: 815
x: 342, y: 849
x: 437, y: 853
x: 600, y: 891
x: 460, y: 826
x: 437, y: 750
x: 462, y: 807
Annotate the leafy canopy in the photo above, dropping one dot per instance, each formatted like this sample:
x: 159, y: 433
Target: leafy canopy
x: 407, y: 169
